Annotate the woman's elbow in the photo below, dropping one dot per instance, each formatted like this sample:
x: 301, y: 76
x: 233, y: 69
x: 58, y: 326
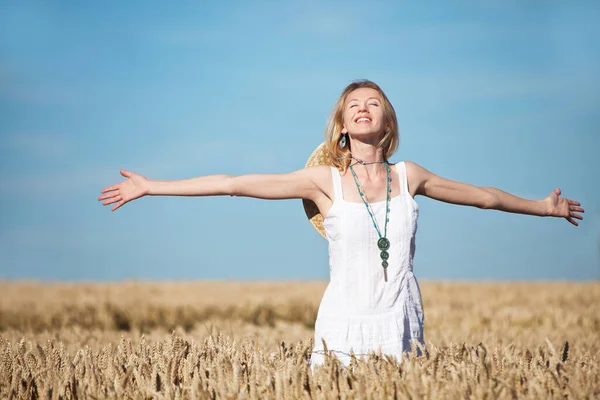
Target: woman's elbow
x: 241, y: 186
x: 230, y: 186
x: 489, y: 200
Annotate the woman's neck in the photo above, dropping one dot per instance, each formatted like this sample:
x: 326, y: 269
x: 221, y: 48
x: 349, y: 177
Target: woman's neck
x: 369, y: 153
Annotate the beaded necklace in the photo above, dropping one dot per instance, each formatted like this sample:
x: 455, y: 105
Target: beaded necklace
x: 383, y: 243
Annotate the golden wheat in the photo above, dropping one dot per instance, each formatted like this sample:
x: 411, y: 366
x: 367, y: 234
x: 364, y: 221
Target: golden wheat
x: 253, y: 340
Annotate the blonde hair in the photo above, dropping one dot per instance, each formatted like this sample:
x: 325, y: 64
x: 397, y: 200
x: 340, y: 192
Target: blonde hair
x: 338, y: 157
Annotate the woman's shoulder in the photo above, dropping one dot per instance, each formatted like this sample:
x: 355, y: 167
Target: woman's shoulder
x: 320, y: 169
x: 411, y: 166
x: 319, y: 172
x: 412, y: 170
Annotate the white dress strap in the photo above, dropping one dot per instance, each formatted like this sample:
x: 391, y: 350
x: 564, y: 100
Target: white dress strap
x: 403, y: 177
x: 337, y: 184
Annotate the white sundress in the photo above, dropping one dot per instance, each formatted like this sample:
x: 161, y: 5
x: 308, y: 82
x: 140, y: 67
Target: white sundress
x: 360, y: 312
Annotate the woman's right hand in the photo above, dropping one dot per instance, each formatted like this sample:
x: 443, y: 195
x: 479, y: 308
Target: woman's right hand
x: 134, y: 187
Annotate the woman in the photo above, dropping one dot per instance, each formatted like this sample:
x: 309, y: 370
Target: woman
x: 372, y: 302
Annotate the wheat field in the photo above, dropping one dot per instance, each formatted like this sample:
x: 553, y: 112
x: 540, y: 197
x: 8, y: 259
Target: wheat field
x: 246, y: 340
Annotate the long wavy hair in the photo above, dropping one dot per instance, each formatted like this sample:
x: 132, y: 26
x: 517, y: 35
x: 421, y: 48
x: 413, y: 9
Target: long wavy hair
x: 338, y: 157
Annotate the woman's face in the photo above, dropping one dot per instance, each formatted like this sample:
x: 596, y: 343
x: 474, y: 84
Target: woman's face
x: 363, y: 113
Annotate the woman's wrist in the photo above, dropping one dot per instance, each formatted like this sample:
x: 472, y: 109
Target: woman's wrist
x: 544, y: 208
x: 152, y: 188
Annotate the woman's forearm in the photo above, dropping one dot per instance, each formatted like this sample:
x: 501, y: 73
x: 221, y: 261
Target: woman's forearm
x: 504, y: 201
x: 209, y: 185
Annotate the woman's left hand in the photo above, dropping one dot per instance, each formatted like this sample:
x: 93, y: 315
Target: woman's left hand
x: 560, y: 207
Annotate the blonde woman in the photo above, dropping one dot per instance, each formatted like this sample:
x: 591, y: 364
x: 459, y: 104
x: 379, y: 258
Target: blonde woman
x: 369, y: 217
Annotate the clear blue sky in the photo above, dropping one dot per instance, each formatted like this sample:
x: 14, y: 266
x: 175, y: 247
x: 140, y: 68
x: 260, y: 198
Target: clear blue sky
x: 494, y: 94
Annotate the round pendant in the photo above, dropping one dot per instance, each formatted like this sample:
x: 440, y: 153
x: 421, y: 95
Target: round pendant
x: 384, y: 264
x: 383, y: 243
x: 384, y: 255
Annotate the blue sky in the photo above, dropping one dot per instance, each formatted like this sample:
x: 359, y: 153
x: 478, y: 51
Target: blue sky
x: 504, y: 95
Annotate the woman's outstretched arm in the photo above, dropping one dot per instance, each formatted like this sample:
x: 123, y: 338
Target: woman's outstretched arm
x: 308, y: 183
x: 428, y: 184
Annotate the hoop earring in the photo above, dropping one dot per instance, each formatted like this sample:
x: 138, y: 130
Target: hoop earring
x: 343, y: 141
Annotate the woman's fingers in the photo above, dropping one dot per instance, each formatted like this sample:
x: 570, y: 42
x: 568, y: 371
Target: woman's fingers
x: 571, y: 220
x: 114, y: 194
x: 108, y: 195
x: 113, y: 187
x: 119, y: 204
x: 574, y: 212
x: 112, y: 200
x: 109, y: 189
x: 126, y: 174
